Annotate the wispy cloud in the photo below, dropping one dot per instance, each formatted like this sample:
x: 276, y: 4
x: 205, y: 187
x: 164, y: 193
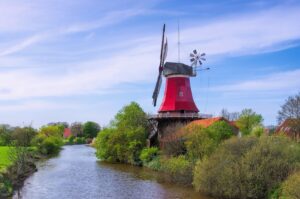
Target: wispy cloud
x: 287, y: 81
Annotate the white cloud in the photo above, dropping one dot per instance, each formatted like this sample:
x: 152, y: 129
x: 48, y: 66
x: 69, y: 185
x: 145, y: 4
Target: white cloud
x: 287, y: 81
x: 134, y: 62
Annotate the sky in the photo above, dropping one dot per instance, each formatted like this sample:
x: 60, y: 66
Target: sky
x: 84, y: 60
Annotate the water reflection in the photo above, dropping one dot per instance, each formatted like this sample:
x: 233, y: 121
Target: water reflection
x: 76, y: 173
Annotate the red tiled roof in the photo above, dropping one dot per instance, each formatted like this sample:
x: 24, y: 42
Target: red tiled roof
x: 67, y: 132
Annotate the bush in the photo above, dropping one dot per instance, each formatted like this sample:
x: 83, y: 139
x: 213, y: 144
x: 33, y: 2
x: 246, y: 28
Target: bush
x: 79, y: 140
x: 219, y: 175
x: 148, y: 154
x: 50, y: 145
x: 291, y: 187
x: 268, y: 164
x: 247, y: 168
x: 220, y: 131
x: 257, y: 131
x: 198, y: 142
x: 179, y: 168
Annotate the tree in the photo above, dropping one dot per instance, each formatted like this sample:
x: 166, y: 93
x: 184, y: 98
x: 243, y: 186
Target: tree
x: 231, y: 116
x: 247, y: 120
x: 124, y: 140
x: 5, y: 135
x: 23, y: 136
x: 90, y: 129
x: 290, y: 111
x: 77, y: 129
x: 220, y: 130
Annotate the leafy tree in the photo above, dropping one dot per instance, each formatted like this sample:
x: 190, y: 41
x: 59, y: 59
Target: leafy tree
x: 124, y: 140
x: 290, y: 188
x: 247, y: 120
x: 90, y: 129
x: 49, y: 139
x: 49, y: 131
x: 5, y: 135
x: 77, y: 129
x: 23, y: 136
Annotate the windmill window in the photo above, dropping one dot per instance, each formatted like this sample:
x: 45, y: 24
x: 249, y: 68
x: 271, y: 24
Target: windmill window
x: 180, y: 94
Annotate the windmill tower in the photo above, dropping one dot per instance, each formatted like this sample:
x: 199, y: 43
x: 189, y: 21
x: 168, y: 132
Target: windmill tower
x: 178, y: 105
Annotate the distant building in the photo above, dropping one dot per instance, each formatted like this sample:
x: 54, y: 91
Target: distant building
x: 291, y: 128
x: 67, y: 133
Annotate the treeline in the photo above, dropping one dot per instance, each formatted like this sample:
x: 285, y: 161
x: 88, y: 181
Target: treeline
x: 214, y: 160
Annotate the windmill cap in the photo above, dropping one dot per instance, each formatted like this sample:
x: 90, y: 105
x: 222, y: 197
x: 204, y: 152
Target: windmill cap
x: 173, y: 68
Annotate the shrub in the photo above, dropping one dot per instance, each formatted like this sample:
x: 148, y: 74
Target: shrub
x: 198, y: 142
x: 257, y: 131
x: 247, y: 168
x: 290, y: 188
x: 50, y: 145
x: 179, y: 168
x: 220, y: 130
x: 148, y: 154
x: 220, y: 174
x: 79, y: 140
x: 268, y: 164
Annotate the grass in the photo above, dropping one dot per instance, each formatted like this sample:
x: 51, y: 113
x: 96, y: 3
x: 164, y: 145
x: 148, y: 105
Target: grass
x: 4, y: 159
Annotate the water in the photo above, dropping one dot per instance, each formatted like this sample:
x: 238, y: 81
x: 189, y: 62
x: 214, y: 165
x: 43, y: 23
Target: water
x: 76, y: 173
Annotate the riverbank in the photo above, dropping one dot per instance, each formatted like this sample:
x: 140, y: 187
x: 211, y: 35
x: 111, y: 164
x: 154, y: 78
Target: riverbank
x: 17, y: 164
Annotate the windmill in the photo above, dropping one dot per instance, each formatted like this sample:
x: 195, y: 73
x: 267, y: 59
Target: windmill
x: 178, y: 105
x: 163, y: 55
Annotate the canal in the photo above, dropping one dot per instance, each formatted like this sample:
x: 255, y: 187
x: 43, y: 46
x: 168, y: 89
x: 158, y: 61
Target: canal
x: 76, y: 173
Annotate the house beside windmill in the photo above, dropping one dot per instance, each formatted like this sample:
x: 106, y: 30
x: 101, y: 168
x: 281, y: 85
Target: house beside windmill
x: 291, y: 128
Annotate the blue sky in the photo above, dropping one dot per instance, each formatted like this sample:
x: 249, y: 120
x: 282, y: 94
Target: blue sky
x: 83, y: 60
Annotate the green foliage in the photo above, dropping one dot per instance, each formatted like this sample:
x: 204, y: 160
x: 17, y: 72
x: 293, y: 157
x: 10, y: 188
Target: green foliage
x: 5, y: 135
x: 247, y: 120
x: 49, y: 139
x: 50, y: 145
x: 6, y: 189
x: 179, y: 168
x: 247, y: 168
x: 71, y: 139
x: 90, y: 129
x: 257, y: 131
x: 220, y: 131
x: 291, y: 187
x: 23, y: 136
x: 49, y: 131
x: 148, y: 154
x: 199, y: 142
x: 79, y: 140
x: 125, y: 139
x: 219, y: 174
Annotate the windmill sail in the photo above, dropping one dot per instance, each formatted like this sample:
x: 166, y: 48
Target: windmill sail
x: 163, y: 55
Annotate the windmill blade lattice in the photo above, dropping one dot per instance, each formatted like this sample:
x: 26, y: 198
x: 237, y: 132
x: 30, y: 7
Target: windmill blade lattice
x: 196, y: 58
